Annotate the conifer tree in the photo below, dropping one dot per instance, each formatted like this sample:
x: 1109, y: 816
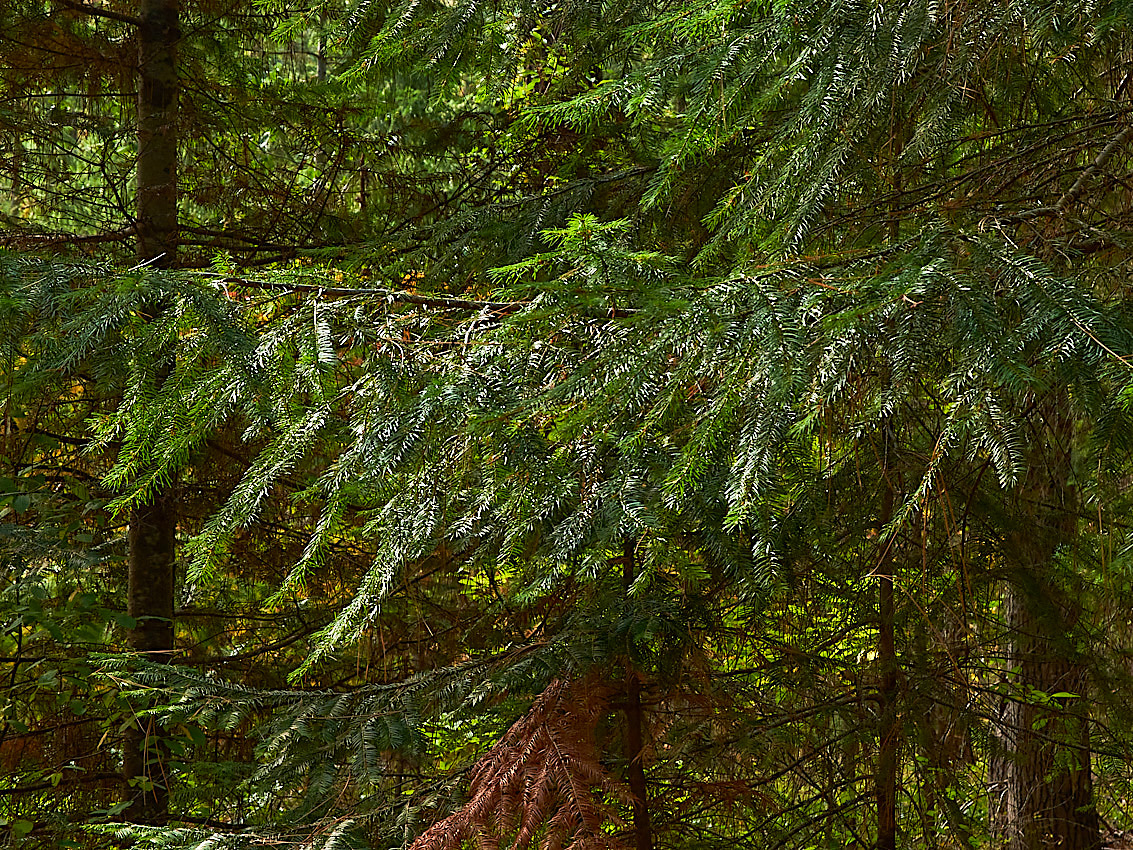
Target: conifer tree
x: 96, y: 156
x: 737, y: 404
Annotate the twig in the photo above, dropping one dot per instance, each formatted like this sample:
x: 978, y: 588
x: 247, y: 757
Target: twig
x: 391, y: 295
x: 102, y: 13
x: 1079, y: 186
x: 394, y: 296
x: 1099, y: 162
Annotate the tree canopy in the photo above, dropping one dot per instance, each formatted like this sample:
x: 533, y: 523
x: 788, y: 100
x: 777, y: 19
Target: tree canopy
x: 566, y: 424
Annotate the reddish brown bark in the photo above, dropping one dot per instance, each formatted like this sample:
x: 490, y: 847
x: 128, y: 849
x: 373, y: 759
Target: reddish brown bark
x: 1039, y: 772
x: 158, y: 137
x: 150, y: 603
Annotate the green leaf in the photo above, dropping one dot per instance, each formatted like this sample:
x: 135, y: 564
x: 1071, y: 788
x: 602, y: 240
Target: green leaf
x: 197, y: 735
x: 126, y: 621
x: 21, y: 828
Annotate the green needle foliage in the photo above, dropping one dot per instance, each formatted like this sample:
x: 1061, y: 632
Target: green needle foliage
x: 732, y: 395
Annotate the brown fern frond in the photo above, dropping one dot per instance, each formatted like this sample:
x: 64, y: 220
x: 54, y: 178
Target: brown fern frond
x: 542, y: 783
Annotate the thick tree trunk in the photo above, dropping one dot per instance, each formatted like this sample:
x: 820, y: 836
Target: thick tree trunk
x: 153, y: 526
x: 150, y: 603
x: 1042, y: 793
x: 1039, y: 774
x: 158, y: 137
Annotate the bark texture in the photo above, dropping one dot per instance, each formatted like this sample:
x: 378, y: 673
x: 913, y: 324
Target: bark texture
x: 1039, y: 774
x: 153, y: 526
x: 158, y: 137
x: 150, y: 602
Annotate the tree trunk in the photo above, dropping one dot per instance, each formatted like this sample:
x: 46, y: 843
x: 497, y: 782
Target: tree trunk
x: 642, y: 829
x: 150, y: 603
x: 635, y: 769
x: 158, y: 137
x: 153, y: 526
x: 889, y: 726
x: 1039, y: 773
x: 889, y: 720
